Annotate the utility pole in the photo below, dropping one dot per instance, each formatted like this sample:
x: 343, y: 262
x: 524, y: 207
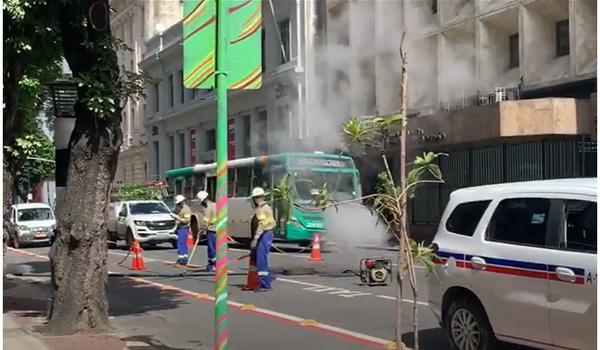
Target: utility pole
x: 221, y: 321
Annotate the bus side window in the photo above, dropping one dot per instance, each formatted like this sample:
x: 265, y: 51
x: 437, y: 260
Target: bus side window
x: 188, y: 188
x: 243, y: 182
x: 178, y: 186
x: 197, y: 184
x: 261, y: 178
x: 231, y: 183
x: 211, y: 186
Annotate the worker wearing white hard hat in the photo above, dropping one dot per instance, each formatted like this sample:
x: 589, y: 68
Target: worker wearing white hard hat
x: 183, y: 216
x: 263, y: 238
x: 208, y: 210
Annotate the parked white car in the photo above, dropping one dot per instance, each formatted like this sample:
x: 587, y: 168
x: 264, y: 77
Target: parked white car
x: 148, y: 222
x: 30, y: 223
x: 517, y: 263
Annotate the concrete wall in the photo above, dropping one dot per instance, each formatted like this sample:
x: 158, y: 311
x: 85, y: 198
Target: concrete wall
x: 493, y: 50
x: 540, y: 63
x: 508, y: 119
x: 584, y: 35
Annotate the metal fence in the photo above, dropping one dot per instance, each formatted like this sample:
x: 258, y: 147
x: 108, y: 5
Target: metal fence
x: 549, y: 159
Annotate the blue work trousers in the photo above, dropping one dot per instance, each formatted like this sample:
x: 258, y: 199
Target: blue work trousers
x: 211, y: 247
x: 262, y: 262
x: 182, y: 249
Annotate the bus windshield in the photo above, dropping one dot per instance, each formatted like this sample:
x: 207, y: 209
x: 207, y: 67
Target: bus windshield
x: 340, y: 186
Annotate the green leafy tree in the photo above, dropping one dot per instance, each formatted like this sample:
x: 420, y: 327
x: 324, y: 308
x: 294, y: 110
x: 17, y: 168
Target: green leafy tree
x: 31, y: 56
x: 391, y: 199
x: 31, y: 161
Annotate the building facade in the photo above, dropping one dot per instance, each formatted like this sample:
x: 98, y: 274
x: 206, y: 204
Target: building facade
x: 180, y: 123
x: 507, y: 88
x: 134, y: 22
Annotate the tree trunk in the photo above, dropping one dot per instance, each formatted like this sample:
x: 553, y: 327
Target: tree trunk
x: 79, y: 255
x: 403, y: 184
x: 398, y: 323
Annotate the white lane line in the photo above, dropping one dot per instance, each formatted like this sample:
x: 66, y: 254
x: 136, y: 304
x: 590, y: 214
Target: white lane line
x: 321, y: 288
x: 403, y: 300
x: 300, y: 282
x: 280, y: 315
x: 355, y: 294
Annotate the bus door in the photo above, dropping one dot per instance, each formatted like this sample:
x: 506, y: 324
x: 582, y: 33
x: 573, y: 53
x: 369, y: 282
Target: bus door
x: 280, y: 205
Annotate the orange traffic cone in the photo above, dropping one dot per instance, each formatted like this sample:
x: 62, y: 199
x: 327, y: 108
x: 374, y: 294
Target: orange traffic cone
x: 252, y: 282
x: 315, y: 252
x: 190, y: 240
x: 138, y: 262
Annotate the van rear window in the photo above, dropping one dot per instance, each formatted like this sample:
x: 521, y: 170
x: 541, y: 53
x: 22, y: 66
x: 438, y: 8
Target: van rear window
x: 465, y: 217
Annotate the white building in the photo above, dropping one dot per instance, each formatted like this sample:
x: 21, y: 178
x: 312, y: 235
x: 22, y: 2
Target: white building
x: 134, y: 22
x: 181, y: 124
x: 506, y: 87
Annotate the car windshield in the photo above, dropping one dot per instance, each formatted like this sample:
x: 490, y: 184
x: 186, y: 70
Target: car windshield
x: 148, y: 208
x: 340, y: 186
x: 33, y: 214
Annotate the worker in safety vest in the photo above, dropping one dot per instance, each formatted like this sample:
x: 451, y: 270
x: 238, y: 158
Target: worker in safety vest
x: 183, y: 215
x: 208, y: 210
x: 261, y: 244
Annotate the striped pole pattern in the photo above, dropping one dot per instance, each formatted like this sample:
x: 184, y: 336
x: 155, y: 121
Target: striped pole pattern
x: 63, y: 127
x: 221, y: 318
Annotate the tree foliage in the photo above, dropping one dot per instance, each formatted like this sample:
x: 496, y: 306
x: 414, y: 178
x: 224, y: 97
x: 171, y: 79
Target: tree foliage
x: 31, y: 57
x: 31, y: 161
x: 365, y: 133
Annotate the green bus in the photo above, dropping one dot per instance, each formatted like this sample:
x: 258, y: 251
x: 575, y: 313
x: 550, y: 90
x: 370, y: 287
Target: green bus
x: 305, y: 174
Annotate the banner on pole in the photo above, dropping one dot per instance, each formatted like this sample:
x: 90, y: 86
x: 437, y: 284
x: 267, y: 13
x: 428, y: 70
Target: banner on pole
x: 244, y: 45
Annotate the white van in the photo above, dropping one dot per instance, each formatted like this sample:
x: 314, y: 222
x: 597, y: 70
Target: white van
x: 516, y: 262
x: 30, y: 223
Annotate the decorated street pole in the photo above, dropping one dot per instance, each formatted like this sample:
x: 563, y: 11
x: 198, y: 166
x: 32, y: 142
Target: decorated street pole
x: 207, y: 25
x: 221, y: 322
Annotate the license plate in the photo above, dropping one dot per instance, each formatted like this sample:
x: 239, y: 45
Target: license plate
x: 41, y: 235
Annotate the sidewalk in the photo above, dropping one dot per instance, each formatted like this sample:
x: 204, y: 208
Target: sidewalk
x: 17, y: 337
x: 24, y: 318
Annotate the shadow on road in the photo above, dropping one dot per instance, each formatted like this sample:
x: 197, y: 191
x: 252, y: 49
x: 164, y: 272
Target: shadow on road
x: 127, y: 297
x: 28, y: 267
x: 157, y: 344
x: 435, y: 339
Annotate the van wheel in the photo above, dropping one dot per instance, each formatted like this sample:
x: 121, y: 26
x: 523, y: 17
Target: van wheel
x: 467, y: 326
x: 174, y: 244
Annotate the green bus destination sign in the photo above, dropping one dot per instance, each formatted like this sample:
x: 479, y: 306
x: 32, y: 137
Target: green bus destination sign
x: 310, y: 162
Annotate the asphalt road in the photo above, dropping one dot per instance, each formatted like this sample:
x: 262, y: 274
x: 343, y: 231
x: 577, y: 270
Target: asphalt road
x: 327, y: 310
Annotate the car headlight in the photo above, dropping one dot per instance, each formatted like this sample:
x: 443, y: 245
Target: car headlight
x: 139, y: 222
x: 24, y: 228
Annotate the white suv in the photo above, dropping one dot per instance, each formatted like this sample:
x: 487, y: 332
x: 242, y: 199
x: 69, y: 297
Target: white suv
x: 148, y: 222
x: 516, y: 262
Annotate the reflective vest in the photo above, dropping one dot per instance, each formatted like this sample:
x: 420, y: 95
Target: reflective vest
x: 209, y: 216
x: 184, y: 216
x: 264, y: 216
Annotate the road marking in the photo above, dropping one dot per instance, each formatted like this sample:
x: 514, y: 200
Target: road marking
x: 422, y: 303
x: 321, y: 288
x: 355, y: 337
